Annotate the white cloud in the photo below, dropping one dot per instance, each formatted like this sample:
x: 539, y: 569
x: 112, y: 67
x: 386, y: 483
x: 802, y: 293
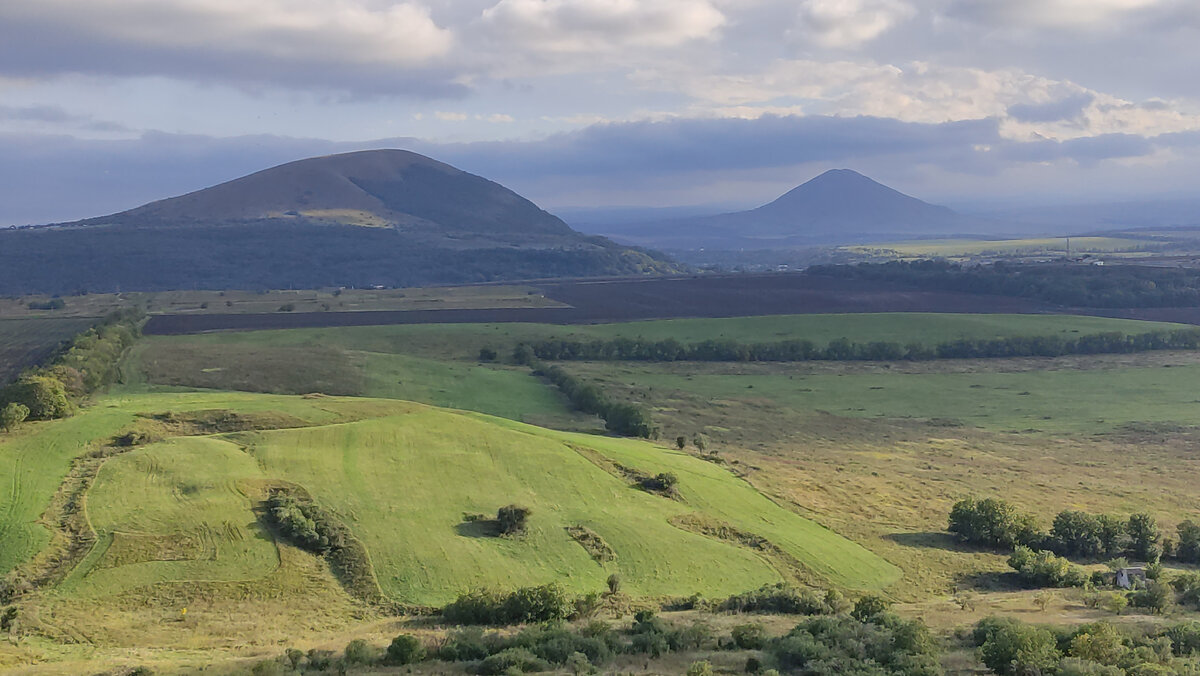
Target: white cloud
x: 923, y: 92
x: 850, y: 23
x: 572, y: 26
x: 446, y: 116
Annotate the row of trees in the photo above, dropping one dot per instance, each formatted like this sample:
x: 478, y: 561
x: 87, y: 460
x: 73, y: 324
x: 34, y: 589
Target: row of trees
x: 993, y: 522
x: 842, y: 349
x: 88, y: 363
x: 619, y: 417
x: 1112, y: 286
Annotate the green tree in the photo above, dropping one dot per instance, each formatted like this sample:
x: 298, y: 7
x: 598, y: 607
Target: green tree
x: 405, y: 649
x: 1020, y: 649
x: 45, y: 397
x: 868, y: 608
x: 1144, y: 537
x: 1188, y: 549
x: 1100, y: 643
x: 13, y: 414
x: 513, y: 519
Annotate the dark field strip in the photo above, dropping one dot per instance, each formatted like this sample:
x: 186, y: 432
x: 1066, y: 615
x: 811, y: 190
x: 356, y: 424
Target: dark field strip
x: 636, y: 299
x: 26, y: 342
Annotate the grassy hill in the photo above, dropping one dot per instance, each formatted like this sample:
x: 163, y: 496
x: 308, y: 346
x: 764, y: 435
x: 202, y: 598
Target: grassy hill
x: 182, y: 510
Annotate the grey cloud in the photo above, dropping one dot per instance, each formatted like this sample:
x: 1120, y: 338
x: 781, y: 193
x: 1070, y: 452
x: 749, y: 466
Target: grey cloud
x: 1067, y: 108
x: 47, y: 44
x: 59, y: 116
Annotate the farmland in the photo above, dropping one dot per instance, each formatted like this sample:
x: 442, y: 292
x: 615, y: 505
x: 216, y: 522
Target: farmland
x: 24, y: 342
x: 963, y: 248
x: 845, y: 470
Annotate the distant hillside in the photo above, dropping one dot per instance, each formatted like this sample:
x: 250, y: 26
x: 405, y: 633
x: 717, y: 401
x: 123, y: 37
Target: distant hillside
x: 381, y: 217
x: 839, y: 206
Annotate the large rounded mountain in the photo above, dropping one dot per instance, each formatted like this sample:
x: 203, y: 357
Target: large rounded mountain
x: 380, y: 217
x: 375, y: 188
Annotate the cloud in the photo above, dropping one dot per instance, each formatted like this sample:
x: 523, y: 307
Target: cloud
x: 1067, y: 108
x: 332, y: 44
x: 1071, y: 14
x: 850, y: 23
x: 573, y: 26
x: 58, y: 116
x: 451, y: 116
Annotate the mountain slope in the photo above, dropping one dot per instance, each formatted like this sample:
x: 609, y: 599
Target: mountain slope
x: 839, y: 206
x: 399, y: 188
x: 380, y: 217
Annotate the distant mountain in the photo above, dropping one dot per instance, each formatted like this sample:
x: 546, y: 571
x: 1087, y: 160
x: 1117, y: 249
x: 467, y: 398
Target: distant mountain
x: 380, y: 217
x: 839, y: 206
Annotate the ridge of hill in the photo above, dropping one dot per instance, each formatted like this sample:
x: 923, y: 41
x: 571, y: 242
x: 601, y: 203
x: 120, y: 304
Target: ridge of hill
x: 840, y: 206
x: 370, y: 218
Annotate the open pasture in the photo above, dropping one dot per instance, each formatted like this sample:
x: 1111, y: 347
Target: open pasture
x: 1028, y: 400
x: 962, y: 248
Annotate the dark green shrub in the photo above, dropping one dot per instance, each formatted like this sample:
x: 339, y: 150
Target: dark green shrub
x: 513, y: 659
x: 512, y: 519
x: 749, y: 636
x: 778, y: 598
x: 546, y: 603
x: 405, y: 649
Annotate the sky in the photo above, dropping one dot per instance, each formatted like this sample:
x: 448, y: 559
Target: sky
x: 107, y: 104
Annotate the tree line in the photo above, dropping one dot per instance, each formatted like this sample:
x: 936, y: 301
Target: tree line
x: 842, y: 349
x: 1040, y: 557
x: 619, y: 417
x: 993, y: 522
x: 1111, y: 286
x: 89, y: 362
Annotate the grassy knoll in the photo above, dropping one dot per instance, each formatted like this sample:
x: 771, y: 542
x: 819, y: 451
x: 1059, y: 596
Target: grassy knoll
x: 24, y: 342
x: 389, y: 480
x: 173, y: 511
x: 35, y: 458
x: 402, y: 476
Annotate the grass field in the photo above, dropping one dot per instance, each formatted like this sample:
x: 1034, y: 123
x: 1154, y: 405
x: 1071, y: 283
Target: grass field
x: 952, y: 248
x: 438, y: 363
x: 24, y: 342
x: 1059, y: 400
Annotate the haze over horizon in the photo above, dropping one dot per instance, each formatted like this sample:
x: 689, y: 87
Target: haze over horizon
x: 107, y: 105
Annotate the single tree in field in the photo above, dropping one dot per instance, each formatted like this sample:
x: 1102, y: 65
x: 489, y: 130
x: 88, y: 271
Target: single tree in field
x: 680, y: 442
x: 12, y: 415
x: 513, y: 519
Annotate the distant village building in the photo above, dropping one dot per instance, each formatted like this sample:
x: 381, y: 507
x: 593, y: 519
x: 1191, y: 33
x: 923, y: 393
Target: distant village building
x: 1128, y: 578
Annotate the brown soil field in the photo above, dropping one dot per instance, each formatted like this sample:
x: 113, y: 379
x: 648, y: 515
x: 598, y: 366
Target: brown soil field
x: 614, y: 300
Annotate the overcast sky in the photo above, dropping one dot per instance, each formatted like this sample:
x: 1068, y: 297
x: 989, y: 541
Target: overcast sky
x: 106, y: 104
